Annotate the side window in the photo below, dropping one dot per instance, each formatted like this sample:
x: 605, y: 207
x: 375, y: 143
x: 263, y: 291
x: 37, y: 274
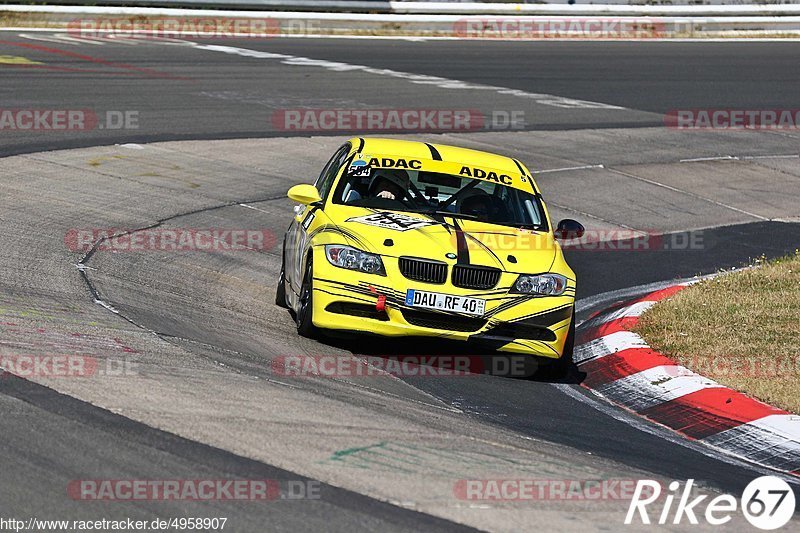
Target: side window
x: 328, y: 175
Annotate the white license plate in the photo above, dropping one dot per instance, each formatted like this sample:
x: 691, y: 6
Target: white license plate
x: 445, y: 302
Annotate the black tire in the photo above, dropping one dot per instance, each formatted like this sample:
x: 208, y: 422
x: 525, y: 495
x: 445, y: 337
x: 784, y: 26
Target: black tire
x: 280, y: 292
x: 305, y: 308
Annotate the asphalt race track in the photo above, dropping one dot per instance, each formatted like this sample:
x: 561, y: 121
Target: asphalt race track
x: 181, y: 92
x: 202, y: 402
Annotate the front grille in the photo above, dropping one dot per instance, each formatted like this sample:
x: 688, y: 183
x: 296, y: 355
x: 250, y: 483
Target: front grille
x: 425, y: 319
x: 475, y: 277
x: 423, y: 270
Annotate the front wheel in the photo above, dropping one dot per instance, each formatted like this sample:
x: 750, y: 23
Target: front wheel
x: 305, y: 310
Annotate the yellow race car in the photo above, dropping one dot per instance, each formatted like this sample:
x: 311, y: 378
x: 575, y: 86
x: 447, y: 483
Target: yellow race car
x: 403, y: 238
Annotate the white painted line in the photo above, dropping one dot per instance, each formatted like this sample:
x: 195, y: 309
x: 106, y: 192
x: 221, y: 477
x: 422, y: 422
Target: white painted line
x: 79, y: 40
x: 55, y: 38
x: 590, y: 215
x: 655, y: 386
x: 793, y: 156
x: 124, y: 40
x: 716, y: 158
x: 584, y: 167
x: 421, y: 79
x: 254, y: 208
x: 693, y: 195
x: 607, y: 345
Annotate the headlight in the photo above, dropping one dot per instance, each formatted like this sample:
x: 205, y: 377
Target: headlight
x: 542, y: 284
x: 354, y: 259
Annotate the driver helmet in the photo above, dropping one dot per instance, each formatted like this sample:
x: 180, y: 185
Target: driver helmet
x: 473, y: 200
x: 396, y: 176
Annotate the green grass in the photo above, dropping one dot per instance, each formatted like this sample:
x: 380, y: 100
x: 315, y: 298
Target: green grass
x: 740, y: 329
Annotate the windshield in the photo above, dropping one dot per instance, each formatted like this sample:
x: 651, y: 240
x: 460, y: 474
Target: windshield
x: 436, y: 194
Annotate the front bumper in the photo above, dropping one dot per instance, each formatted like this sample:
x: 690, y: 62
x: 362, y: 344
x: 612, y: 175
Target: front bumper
x: 346, y: 300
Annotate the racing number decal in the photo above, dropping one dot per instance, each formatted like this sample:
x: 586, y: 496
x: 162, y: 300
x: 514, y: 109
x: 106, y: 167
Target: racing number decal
x: 393, y: 221
x: 360, y: 169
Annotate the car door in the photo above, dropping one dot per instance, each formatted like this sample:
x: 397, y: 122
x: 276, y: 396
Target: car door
x: 297, y: 234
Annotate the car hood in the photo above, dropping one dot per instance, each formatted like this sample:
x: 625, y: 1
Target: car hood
x: 395, y: 234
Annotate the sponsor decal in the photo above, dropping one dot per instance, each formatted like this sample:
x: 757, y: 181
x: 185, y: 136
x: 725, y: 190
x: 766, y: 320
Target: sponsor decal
x: 388, y: 162
x: 481, y: 174
x: 392, y: 221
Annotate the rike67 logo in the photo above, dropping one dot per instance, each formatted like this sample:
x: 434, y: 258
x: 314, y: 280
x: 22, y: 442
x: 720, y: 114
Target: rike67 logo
x: 767, y: 502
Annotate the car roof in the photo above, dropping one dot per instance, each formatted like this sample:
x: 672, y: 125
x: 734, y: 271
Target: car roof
x: 444, y: 152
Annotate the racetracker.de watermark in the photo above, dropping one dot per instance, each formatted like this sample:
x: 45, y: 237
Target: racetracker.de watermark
x: 223, y: 490
x: 20, y: 119
x: 559, y: 28
x: 435, y: 366
x: 515, y: 490
x: 189, y: 27
x: 64, y: 366
x: 396, y: 120
x: 733, y: 119
x: 739, y: 366
x: 593, y: 240
x: 169, y: 240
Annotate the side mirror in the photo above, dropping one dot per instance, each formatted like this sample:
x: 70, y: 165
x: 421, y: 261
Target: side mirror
x: 569, y: 229
x: 304, y: 194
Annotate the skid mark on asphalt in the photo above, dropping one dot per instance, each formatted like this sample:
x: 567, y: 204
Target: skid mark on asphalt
x: 421, y: 79
x: 410, y: 459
